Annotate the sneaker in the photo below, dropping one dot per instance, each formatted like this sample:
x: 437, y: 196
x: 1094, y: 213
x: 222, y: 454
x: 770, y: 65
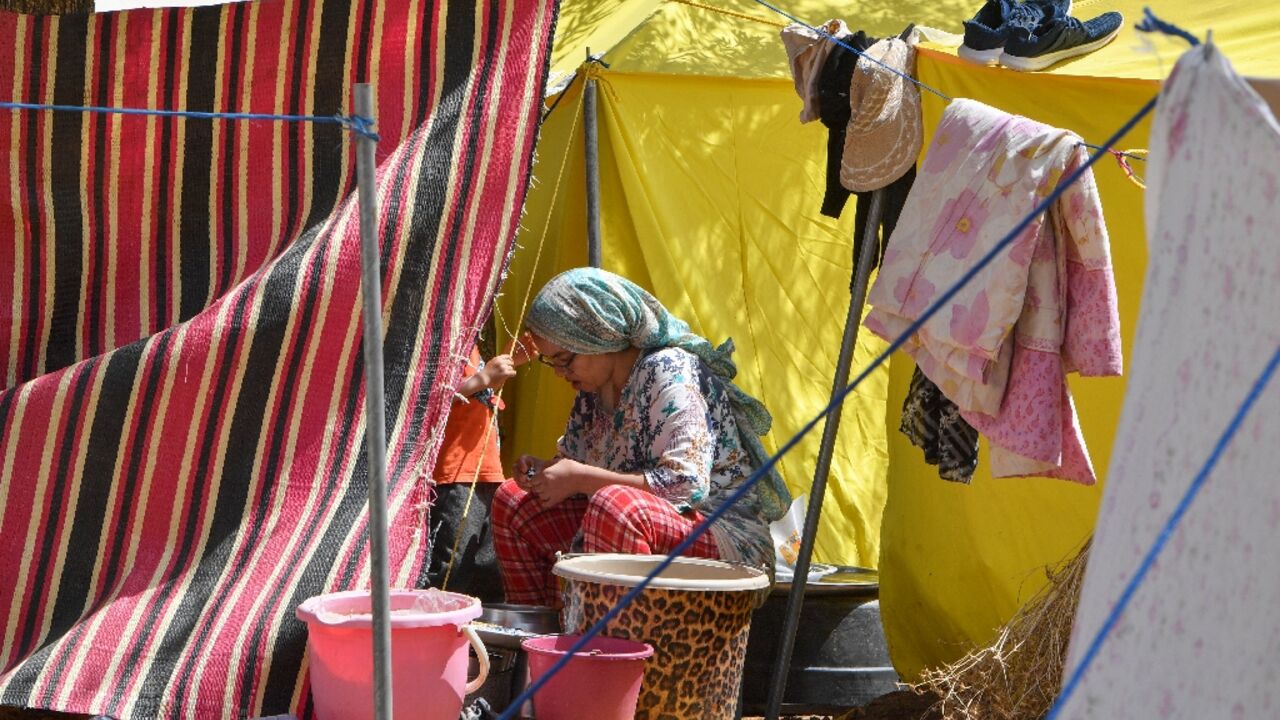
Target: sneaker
x: 985, y: 34
x: 1058, y: 37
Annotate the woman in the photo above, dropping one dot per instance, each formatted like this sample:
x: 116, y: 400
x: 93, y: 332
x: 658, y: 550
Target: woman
x: 659, y: 438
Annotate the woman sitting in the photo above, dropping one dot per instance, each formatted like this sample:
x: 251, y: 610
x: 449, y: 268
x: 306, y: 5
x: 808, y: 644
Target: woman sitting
x: 659, y: 438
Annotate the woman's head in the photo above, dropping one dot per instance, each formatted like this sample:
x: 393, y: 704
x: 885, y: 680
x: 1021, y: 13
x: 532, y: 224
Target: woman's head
x: 586, y: 372
x: 588, y: 311
x: 589, y: 325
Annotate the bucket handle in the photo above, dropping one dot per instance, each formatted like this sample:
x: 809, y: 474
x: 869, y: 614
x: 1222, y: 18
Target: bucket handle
x: 482, y: 657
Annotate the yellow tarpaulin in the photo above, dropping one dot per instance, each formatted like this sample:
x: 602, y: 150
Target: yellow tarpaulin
x: 711, y: 190
x: 705, y: 205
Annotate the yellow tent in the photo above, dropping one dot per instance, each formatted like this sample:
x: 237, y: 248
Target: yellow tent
x: 710, y: 193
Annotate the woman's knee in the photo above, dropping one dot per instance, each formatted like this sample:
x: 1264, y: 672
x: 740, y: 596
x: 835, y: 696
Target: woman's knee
x: 615, y: 499
x: 507, y: 502
x: 616, y: 505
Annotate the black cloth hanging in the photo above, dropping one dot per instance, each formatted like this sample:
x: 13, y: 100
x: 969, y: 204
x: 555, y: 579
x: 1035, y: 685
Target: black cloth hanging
x: 934, y: 424
x: 834, y: 112
x: 895, y: 197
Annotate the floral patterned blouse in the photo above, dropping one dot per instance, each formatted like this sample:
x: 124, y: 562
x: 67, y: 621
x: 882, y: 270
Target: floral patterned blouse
x: 674, y: 423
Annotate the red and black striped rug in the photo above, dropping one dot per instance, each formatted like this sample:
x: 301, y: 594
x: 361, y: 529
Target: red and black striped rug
x: 181, y: 419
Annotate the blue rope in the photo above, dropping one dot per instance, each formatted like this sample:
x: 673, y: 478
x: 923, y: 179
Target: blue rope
x: 852, y: 49
x: 1163, y: 538
x: 835, y: 402
x: 1151, y: 23
x: 362, y: 126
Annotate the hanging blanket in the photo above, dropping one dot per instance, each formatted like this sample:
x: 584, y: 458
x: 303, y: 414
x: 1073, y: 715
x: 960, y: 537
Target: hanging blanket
x: 182, y: 412
x: 1044, y: 307
x: 1200, y: 637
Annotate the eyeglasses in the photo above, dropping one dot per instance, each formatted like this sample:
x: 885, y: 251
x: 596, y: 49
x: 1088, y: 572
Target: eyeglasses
x: 555, y: 365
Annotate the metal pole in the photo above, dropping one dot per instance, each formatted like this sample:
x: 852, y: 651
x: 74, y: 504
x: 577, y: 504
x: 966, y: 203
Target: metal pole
x: 375, y: 434
x: 795, y: 600
x: 592, y: 132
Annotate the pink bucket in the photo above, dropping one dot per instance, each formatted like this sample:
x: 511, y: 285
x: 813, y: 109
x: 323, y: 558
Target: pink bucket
x: 429, y: 636
x: 601, y: 682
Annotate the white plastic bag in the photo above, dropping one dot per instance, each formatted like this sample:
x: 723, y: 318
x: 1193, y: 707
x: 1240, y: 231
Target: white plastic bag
x: 786, y: 533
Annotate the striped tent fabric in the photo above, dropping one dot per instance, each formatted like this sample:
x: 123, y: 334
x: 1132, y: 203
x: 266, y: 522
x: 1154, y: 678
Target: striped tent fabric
x: 48, y: 7
x: 182, y: 413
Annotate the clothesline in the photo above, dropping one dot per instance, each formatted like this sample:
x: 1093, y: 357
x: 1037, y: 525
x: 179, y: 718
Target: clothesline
x: 730, y: 13
x: 832, y: 38
x: 1150, y: 23
x: 357, y: 124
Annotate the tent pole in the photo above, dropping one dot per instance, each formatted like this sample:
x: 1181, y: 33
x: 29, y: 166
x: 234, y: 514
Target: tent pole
x: 592, y: 133
x: 795, y: 600
x: 375, y: 437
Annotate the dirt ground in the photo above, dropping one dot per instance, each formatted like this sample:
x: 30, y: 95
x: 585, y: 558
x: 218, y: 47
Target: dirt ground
x: 901, y: 705
x: 12, y: 714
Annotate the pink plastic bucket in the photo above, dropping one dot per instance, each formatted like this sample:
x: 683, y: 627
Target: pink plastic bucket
x: 601, y: 682
x: 429, y: 636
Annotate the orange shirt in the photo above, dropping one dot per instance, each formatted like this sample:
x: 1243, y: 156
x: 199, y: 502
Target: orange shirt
x: 464, y: 446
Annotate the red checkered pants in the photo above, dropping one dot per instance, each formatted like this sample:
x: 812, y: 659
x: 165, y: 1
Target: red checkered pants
x: 526, y: 535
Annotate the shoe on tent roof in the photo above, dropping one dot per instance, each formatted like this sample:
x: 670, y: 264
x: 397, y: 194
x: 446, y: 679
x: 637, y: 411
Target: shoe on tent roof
x: 1058, y: 37
x: 985, y: 34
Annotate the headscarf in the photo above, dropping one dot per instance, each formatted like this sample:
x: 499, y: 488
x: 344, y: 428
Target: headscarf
x: 590, y: 311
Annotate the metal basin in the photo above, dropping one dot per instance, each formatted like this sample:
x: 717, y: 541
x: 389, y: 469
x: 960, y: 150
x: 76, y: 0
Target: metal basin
x: 502, y: 627
x: 531, y: 618
x: 505, y: 626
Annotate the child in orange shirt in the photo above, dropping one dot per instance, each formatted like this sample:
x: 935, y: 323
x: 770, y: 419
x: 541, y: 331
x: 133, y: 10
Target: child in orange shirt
x: 469, y: 456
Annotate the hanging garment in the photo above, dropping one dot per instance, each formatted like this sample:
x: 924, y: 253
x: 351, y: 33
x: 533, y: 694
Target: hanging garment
x: 934, y: 424
x: 834, y: 111
x: 833, y: 94
x: 807, y: 53
x: 1200, y: 637
x: 885, y: 131
x: 895, y: 198
x: 1043, y: 307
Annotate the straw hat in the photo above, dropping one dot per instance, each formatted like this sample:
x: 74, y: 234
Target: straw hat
x: 884, y: 135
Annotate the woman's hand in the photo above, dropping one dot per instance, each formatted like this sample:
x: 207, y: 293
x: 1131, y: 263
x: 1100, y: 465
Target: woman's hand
x: 552, y: 481
x: 556, y: 481
x: 525, y: 468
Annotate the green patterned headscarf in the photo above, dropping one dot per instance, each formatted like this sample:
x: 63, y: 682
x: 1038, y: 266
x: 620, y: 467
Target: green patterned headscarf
x: 589, y: 311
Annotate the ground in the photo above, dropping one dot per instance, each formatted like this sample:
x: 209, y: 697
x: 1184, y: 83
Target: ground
x: 903, y: 705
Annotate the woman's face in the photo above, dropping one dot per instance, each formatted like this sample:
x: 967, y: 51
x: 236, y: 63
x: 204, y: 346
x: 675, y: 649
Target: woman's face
x: 586, y: 373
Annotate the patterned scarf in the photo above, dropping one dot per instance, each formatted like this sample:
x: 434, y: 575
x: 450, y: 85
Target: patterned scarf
x: 589, y: 311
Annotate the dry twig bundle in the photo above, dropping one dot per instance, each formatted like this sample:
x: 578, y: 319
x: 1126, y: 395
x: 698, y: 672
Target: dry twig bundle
x: 1019, y: 675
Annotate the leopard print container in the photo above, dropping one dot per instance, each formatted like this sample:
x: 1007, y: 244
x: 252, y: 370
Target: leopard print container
x: 699, y: 636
